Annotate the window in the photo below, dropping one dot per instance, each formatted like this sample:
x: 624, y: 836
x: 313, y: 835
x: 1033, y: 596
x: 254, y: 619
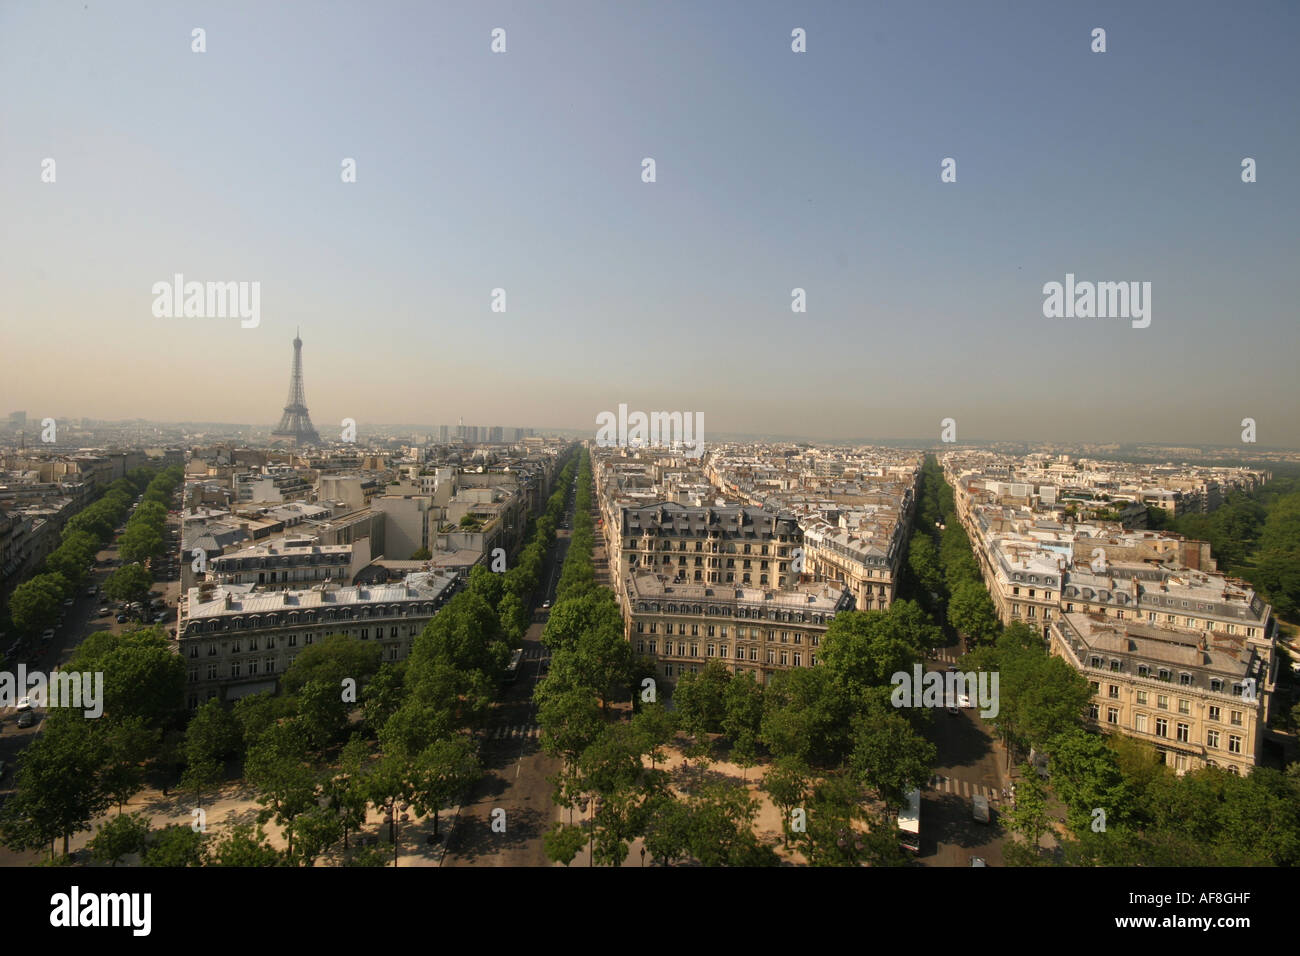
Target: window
x: 1234, y: 718
x: 1144, y: 670
x: 785, y: 657
x: 1140, y: 723
x: 1112, y: 692
x: 771, y: 656
x: 1096, y: 687
x: 1114, y: 666
x: 1162, y: 701
x: 668, y: 628
x: 1215, y: 713
x: 711, y: 648
x: 668, y: 670
x: 234, y: 668
x: 722, y: 651
x: 1216, y: 685
x: 1184, y: 731
x: 653, y: 645
x: 1112, y: 715
x: 798, y: 659
x: 1234, y: 744
x: 1162, y: 727
x: 252, y: 668
x: 1142, y: 697
x: 640, y: 647
x: 1212, y: 738
x: 1185, y: 680
x: 1093, y: 711
x: 293, y: 640
x: 1184, y: 706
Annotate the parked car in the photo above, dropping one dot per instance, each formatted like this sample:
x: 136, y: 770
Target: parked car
x: 48, y: 635
x: 121, y: 619
x: 24, y: 703
x: 105, y: 612
x: 977, y: 861
x: 980, y: 808
x: 26, y: 718
x: 69, y: 602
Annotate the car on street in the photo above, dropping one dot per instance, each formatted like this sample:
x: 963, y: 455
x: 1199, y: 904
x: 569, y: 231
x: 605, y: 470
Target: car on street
x: 48, y: 635
x: 105, y: 612
x: 69, y: 602
x: 26, y: 718
x: 977, y: 861
x: 980, y: 808
x: 24, y: 703
x: 121, y: 619
x: 546, y: 605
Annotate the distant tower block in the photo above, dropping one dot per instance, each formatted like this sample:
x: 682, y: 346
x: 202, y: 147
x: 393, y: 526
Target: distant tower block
x: 296, y: 423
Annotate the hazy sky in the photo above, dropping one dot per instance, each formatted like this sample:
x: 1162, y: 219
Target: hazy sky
x: 775, y: 170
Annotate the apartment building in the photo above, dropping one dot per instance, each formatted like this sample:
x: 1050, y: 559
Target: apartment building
x: 727, y: 544
x: 287, y: 564
x: 1201, y: 699
x: 1176, y: 653
x: 237, y: 639
x: 764, y: 630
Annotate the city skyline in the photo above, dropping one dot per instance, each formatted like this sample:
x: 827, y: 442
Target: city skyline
x: 776, y: 171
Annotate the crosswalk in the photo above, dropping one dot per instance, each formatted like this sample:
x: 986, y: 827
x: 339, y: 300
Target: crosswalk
x: 949, y: 655
x: 536, y: 653
x: 943, y: 784
x: 515, y: 732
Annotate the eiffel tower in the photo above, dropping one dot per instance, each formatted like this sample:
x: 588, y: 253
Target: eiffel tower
x: 296, y: 423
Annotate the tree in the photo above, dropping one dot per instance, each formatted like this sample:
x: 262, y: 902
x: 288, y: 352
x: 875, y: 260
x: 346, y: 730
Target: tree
x: 570, y: 720
x: 322, y: 712
x: 721, y: 828
x: 277, y: 767
x: 317, y: 829
x: 971, y: 612
x: 143, y: 675
x: 786, y: 782
x: 743, y: 720
x: 656, y: 726
x: 256, y: 713
x: 120, y: 836
x: 131, y: 582
x: 244, y: 845
x: 514, y: 617
x: 34, y: 604
x: 700, y: 699
x: 175, y: 845
x: 889, y: 756
x: 1029, y: 817
x: 383, y: 694
x: 58, y: 790
x: 348, y: 790
x: 1085, y: 774
x: 442, y: 771
x: 421, y: 554
x: 331, y: 661
x: 129, y: 744
x: 832, y: 837
x: 805, y: 715
x: 562, y: 842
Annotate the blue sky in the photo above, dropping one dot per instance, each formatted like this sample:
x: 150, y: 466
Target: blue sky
x: 775, y: 170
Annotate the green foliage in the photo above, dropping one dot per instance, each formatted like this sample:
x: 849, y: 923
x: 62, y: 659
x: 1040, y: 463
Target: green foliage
x: 331, y: 661
x: 119, y: 836
x: 244, y: 845
x: 175, y: 845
